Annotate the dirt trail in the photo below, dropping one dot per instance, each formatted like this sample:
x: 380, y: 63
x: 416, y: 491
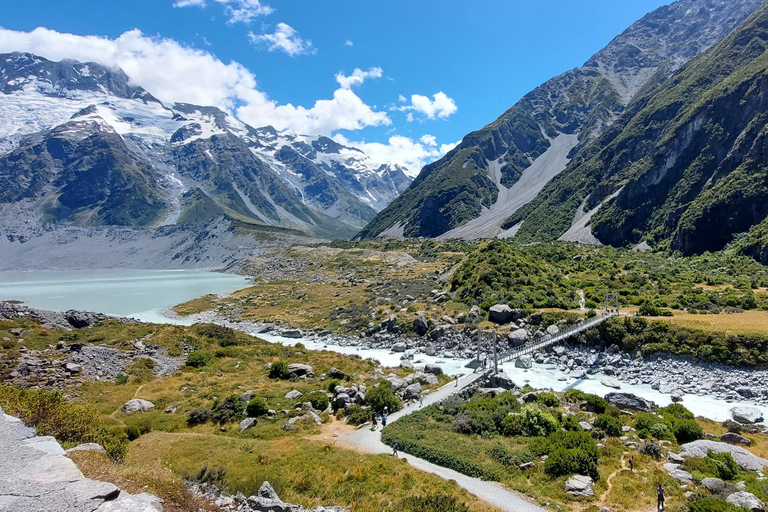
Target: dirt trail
x: 114, y: 413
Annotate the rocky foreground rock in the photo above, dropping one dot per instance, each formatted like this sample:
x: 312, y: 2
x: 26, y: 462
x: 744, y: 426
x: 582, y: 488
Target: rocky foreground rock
x: 37, y: 476
x: 265, y: 500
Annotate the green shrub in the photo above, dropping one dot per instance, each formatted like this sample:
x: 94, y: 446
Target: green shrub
x: 571, y: 453
x: 382, y: 396
x: 677, y: 411
x: 430, y: 503
x: 332, y: 385
x: 122, y: 378
x: 319, y: 400
x: 652, y: 449
x: 722, y: 465
x: 473, y: 422
x: 686, y: 431
x: 645, y: 420
x: 257, y: 407
x: 357, y: 415
x: 531, y: 422
x: 279, y: 370
x: 608, y: 424
x: 569, y: 422
x: 225, y: 336
x: 199, y: 359
x: 231, y: 408
x: 707, y: 504
x: 596, y: 403
x: 548, y: 399
x: 733, y: 426
x: 661, y: 431
x: 211, y: 476
x: 198, y: 417
x: 133, y: 432
x: 575, y: 395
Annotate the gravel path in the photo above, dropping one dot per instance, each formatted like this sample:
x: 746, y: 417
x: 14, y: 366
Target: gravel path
x: 489, y: 491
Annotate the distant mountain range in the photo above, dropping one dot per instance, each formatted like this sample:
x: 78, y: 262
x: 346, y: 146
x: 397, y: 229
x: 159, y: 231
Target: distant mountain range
x: 658, y: 140
x: 81, y: 145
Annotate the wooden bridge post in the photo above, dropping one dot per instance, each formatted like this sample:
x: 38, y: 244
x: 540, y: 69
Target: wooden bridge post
x: 495, y: 354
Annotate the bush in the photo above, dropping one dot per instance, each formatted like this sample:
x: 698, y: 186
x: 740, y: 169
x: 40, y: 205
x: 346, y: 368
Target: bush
x: 570, y: 422
x: 473, y: 422
x: 571, y: 453
x: 382, y: 396
x: 677, y: 411
x: 652, y: 449
x: 319, y: 400
x: 430, y: 503
x: 121, y: 379
x: 356, y: 415
x: 548, y: 399
x: 133, y: 432
x: 661, y: 431
x: 531, y: 422
x: 686, y: 431
x: 733, y: 426
x: 596, y: 403
x: 722, y: 465
x: 279, y: 370
x: 332, y: 385
x: 707, y: 504
x: 257, y: 407
x: 198, y: 417
x: 608, y: 424
x: 199, y: 359
x: 212, y: 476
x: 575, y: 395
x: 453, y: 404
x: 646, y: 420
x: 51, y: 415
x: 229, y: 409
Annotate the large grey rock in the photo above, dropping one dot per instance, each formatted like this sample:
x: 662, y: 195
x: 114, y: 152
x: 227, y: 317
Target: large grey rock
x: 734, y: 438
x: 129, y: 503
x: 397, y: 383
x: 412, y: 392
x: 611, y: 383
x: 681, y: 476
x: 433, y: 369
x: 502, y: 380
x: 341, y: 401
x: 294, y: 394
x: 427, y: 379
x: 524, y: 361
x: 399, y: 347
x: 406, y: 364
x: 747, y: 500
x: 500, y: 314
x: 518, y: 337
x: 247, y: 423
x: 552, y: 330
x: 301, y: 369
x: 293, y: 334
x: 333, y: 373
x: 630, y: 401
x: 713, y: 484
x: 137, y: 405
x: 420, y: 325
x: 87, y: 447
x: 580, y: 485
x: 746, y: 414
x: 742, y: 456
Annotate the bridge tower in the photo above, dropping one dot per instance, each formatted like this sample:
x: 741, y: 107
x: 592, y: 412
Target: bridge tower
x: 612, y: 301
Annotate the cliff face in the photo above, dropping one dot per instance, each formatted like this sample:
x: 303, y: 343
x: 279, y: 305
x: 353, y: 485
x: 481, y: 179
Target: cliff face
x: 548, y: 125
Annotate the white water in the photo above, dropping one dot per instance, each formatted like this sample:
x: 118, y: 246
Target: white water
x: 148, y: 294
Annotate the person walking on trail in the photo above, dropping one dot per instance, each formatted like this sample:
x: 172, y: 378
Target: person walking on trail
x: 421, y: 400
x: 631, y: 464
x: 374, y: 424
x: 394, y: 449
x: 660, y: 495
x: 383, y: 420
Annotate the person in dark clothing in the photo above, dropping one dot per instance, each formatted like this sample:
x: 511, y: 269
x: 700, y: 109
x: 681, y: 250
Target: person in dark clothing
x: 374, y: 424
x: 631, y: 463
x: 660, y: 495
x: 383, y: 420
x: 394, y: 449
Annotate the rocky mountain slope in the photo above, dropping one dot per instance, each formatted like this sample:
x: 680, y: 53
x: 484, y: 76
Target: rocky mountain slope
x: 684, y: 167
x: 496, y: 171
x: 80, y: 145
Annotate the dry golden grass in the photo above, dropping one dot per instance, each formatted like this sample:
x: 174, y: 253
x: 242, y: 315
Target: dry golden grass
x: 747, y: 323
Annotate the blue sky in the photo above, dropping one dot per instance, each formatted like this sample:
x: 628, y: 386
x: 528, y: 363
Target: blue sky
x: 430, y: 70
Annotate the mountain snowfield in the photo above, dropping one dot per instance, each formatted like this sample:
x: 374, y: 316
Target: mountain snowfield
x: 337, y: 189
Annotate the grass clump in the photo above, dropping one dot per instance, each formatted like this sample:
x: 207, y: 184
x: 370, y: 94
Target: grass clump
x: 279, y: 370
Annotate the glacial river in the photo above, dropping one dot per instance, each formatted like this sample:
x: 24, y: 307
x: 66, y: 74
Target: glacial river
x: 147, y: 294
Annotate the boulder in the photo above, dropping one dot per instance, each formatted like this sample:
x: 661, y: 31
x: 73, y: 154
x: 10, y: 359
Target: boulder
x: 747, y: 415
x: 405, y: 364
x: 585, y: 426
x: 73, y: 368
x: 734, y: 438
x: 433, y: 369
x: 517, y: 337
x: 425, y: 378
x: 397, y: 383
x: 246, y: 397
x: 341, y: 401
x: 420, y: 325
x: 132, y: 503
x: 390, y: 324
x: 137, y: 405
x: 713, y: 484
x: 747, y: 500
x: 579, y: 485
x: 630, y: 401
x: 412, y: 392
x: 88, y: 447
x: 333, y: 373
x: 502, y: 380
x: 293, y: 395
x: 301, y: 370
x: 500, y: 314
x: 475, y: 314
x: 399, y: 347
x: 247, y: 423
x: 553, y: 330
x: 611, y: 383
x: 743, y: 457
x: 293, y: 334
x: 525, y: 361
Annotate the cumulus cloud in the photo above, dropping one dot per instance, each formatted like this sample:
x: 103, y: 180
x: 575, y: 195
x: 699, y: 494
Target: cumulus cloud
x: 349, y: 42
x: 175, y: 73
x: 357, y: 77
x: 440, y: 106
x: 404, y: 151
x: 284, y: 39
x: 238, y: 11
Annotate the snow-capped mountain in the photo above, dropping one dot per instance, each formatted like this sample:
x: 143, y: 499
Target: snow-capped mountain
x: 80, y: 144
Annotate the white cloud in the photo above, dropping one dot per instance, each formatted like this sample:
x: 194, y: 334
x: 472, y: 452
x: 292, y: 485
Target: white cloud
x: 349, y: 42
x: 357, y: 77
x: 441, y: 106
x: 175, y: 73
x: 401, y: 98
x: 401, y: 150
x: 428, y: 140
x: 284, y: 39
x: 239, y: 11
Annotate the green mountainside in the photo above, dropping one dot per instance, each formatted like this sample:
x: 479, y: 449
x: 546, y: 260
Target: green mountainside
x: 686, y: 162
x: 583, y: 102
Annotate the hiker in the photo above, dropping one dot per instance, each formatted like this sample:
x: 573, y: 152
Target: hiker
x: 631, y: 464
x: 421, y: 401
x: 373, y: 421
x: 383, y: 420
x: 660, y: 494
x: 394, y: 449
